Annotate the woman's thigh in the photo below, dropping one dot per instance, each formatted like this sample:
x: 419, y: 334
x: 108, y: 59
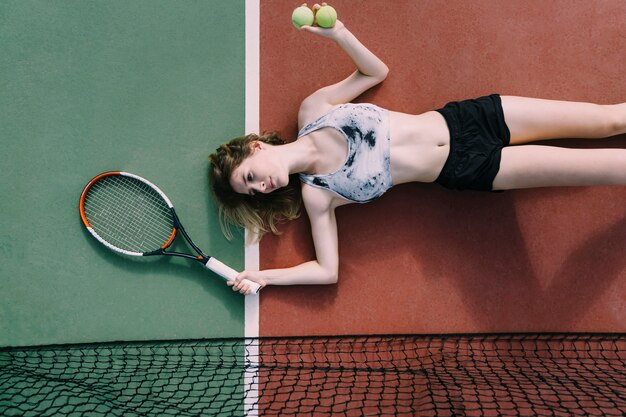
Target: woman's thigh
x: 530, y: 166
x: 531, y: 119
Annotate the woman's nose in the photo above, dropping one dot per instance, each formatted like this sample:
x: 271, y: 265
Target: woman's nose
x: 260, y: 188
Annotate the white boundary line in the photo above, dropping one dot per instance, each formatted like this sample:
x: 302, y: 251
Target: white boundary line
x: 251, y: 255
x: 252, y: 126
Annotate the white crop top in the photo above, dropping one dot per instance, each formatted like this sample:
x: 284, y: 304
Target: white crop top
x: 366, y: 173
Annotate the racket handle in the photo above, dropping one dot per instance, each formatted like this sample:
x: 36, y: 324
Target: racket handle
x: 229, y: 273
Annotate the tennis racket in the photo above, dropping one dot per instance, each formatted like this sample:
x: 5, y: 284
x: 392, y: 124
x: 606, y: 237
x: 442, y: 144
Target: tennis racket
x: 132, y: 216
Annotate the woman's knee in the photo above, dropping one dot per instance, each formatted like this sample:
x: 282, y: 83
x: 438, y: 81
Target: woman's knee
x: 615, y: 119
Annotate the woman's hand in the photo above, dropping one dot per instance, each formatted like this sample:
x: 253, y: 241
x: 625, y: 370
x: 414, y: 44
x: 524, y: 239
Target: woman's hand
x: 371, y: 71
x: 239, y: 284
x: 330, y: 33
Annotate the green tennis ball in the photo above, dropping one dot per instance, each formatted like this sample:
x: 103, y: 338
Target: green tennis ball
x: 302, y: 16
x: 326, y: 17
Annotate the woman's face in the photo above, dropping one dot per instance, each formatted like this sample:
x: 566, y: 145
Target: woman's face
x: 259, y: 172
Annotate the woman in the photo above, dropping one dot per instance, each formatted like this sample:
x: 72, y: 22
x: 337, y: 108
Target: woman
x: 349, y: 153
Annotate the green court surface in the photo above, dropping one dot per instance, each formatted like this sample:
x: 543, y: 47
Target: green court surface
x: 149, y: 87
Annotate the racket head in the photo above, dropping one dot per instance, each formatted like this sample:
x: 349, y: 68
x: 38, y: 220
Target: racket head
x: 127, y: 213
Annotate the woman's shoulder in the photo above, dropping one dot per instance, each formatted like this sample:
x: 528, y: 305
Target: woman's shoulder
x: 315, y: 118
x: 319, y: 200
x: 311, y: 112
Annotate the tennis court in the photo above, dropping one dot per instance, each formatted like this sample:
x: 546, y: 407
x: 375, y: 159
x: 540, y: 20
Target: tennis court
x: 531, y: 260
x: 448, y: 303
x: 149, y: 88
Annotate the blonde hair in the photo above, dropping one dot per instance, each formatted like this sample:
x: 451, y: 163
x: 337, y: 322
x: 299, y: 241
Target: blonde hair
x: 260, y: 213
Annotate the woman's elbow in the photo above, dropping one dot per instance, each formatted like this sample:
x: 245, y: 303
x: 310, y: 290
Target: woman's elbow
x: 385, y: 71
x: 379, y: 75
x: 330, y: 278
x: 382, y: 73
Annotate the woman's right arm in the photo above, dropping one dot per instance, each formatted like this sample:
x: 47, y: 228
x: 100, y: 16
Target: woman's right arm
x: 324, y: 269
x: 370, y: 71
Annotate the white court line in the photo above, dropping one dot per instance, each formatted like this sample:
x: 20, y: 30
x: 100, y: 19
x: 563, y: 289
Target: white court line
x: 252, y: 125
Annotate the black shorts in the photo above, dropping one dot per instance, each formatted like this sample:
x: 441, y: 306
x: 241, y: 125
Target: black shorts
x: 477, y: 135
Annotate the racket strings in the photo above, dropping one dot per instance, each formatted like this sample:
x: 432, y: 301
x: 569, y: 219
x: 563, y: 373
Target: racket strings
x: 128, y: 214
x: 125, y: 225
x: 129, y: 223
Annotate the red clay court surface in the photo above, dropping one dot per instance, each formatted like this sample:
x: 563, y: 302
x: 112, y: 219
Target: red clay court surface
x: 423, y: 259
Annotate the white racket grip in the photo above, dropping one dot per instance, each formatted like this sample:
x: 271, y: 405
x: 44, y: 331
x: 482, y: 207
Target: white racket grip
x: 229, y: 273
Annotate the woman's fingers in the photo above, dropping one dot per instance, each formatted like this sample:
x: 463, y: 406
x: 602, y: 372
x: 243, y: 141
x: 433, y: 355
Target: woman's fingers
x: 241, y: 283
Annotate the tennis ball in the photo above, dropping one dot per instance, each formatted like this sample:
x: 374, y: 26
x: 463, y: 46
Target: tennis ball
x: 302, y: 16
x: 326, y: 16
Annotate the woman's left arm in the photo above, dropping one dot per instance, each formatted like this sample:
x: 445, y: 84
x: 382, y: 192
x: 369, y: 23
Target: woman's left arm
x: 322, y: 270
x: 371, y: 70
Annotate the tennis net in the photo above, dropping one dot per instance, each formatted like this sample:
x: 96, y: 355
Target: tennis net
x: 425, y: 375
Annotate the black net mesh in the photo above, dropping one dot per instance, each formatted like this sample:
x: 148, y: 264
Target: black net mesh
x: 452, y: 375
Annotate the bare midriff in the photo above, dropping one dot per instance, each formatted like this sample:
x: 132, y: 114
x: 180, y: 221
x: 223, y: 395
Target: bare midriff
x: 420, y: 145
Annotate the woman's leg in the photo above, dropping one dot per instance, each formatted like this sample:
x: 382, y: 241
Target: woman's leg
x: 529, y: 166
x: 532, y: 119
x: 544, y: 166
